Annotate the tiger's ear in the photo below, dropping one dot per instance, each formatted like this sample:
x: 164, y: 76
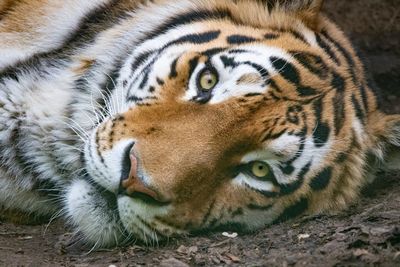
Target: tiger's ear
x: 385, y: 131
x: 307, y: 10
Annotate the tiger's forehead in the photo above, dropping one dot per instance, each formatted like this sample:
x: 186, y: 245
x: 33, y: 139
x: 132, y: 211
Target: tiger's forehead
x: 228, y: 33
x: 245, y: 57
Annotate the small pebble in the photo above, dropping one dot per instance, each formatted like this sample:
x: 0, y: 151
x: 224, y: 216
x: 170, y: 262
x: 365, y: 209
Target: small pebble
x: 302, y: 236
x: 230, y: 235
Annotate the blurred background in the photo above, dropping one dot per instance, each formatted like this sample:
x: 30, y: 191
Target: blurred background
x: 374, y: 27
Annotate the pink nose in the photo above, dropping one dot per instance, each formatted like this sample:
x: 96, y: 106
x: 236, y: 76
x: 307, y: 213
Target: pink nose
x: 133, y: 185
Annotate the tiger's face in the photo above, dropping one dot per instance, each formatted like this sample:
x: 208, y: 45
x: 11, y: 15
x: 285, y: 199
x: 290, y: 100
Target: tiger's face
x: 230, y: 126
x: 216, y: 131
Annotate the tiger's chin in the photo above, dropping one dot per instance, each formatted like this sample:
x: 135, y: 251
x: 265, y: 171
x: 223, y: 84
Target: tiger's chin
x: 93, y: 214
x: 107, y: 220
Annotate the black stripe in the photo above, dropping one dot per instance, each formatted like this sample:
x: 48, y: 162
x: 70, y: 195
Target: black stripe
x: 140, y: 59
x: 265, y: 193
x: 99, y: 19
x: 271, y: 36
x: 213, y: 51
x: 260, y: 69
x: 145, y: 78
x: 305, y: 91
x: 270, y: 5
x: 287, y: 189
x: 286, y: 70
x: 293, y: 211
x: 287, y: 167
x: 97, y: 143
x: 273, y: 135
x: 274, y: 86
x: 10, y: 73
x: 239, y: 51
x: 208, y: 213
x: 150, y: 201
x: 160, y: 81
x: 252, y: 94
x: 328, y: 50
x: 228, y: 61
x: 321, y: 180
x: 195, y: 38
x: 372, y: 87
x: 173, y: 73
x: 252, y: 206
x: 298, y: 36
x: 339, y: 111
x: 290, y: 73
x: 322, y: 131
x: 42, y: 64
x: 187, y: 18
x: 47, y: 188
x: 346, y: 55
x: 112, y: 79
x: 358, y: 110
x: 20, y: 156
x: 338, y: 82
x: 137, y: 99
x: 238, y: 39
x: 192, y: 65
x: 312, y: 63
x: 342, y: 157
x: 364, y: 97
x: 237, y: 212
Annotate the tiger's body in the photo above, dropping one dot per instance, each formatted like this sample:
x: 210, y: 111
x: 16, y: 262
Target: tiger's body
x: 156, y: 118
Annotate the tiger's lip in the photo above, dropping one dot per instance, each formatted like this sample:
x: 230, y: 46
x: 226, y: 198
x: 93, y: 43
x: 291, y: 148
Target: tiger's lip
x: 146, y: 199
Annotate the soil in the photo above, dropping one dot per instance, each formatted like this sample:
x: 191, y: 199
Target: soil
x: 367, y: 234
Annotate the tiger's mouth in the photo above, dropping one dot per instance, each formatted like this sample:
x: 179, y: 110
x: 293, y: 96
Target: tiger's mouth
x: 137, y: 215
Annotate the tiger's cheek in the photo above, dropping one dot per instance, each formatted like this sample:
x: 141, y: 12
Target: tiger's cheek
x: 228, y: 208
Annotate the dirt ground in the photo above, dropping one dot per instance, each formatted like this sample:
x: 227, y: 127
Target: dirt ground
x: 367, y: 234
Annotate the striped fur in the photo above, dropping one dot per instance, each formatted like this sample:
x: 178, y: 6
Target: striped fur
x: 83, y: 82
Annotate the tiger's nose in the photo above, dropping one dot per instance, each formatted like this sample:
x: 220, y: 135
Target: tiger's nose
x: 131, y: 183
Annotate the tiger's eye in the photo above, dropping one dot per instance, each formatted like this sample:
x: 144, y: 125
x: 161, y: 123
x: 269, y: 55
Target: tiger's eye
x: 207, y: 80
x: 259, y: 169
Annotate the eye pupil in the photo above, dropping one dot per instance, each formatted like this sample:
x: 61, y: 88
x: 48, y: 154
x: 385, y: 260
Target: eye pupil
x: 259, y: 169
x: 207, y: 80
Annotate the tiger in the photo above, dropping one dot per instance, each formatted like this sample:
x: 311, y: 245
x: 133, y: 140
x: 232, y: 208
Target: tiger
x: 145, y: 120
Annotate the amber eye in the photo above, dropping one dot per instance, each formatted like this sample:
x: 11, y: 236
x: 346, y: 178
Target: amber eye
x: 259, y: 169
x: 208, y: 79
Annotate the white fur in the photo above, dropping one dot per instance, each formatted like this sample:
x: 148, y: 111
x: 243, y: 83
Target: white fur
x: 90, y: 214
x: 15, y: 197
x: 47, y: 31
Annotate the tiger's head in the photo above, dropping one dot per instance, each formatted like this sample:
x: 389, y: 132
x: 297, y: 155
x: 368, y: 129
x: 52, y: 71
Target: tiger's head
x: 232, y: 115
